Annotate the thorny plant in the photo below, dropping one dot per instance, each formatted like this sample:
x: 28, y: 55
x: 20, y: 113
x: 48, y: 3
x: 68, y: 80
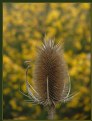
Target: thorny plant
x: 54, y: 92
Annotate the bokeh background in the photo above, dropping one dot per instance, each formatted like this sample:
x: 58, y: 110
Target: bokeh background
x: 24, y: 26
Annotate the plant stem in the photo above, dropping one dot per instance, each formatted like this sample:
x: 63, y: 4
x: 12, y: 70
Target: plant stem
x: 51, y: 112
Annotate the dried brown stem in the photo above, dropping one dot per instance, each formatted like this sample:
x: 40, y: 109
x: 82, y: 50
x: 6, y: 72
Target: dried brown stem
x: 51, y: 112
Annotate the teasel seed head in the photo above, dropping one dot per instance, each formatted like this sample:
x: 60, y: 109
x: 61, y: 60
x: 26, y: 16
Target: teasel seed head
x: 50, y: 72
x: 51, y: 79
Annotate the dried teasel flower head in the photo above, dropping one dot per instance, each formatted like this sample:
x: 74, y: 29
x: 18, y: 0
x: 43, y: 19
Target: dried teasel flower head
x: 51, y: 78
x: 50, y: 72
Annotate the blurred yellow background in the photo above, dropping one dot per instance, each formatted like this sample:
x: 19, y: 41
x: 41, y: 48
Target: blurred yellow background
x: 24, y: 25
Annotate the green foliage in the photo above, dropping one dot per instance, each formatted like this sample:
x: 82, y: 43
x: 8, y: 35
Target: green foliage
x: 23, y: 27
